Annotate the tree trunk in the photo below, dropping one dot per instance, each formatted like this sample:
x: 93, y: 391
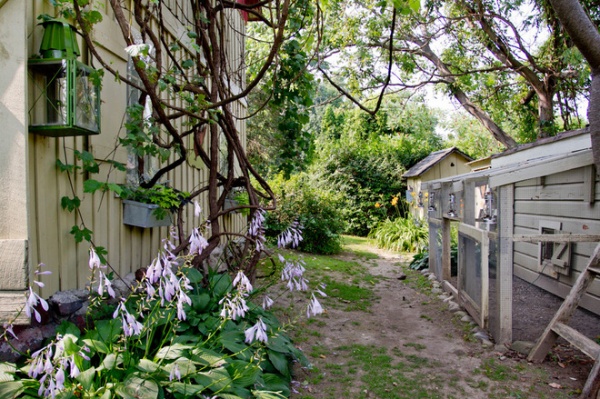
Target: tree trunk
x: 587, y: 39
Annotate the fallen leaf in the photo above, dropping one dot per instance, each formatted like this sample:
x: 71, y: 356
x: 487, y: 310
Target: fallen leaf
x: 555, y: 385
x: 323, y: 356
x: 561, y: 365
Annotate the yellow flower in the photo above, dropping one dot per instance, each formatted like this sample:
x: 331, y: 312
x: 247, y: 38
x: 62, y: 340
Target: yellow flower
x: 377, y: 205
x: 394, y: 201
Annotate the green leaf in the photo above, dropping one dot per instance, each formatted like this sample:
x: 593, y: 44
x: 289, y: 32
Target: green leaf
x: 109, y: 362
x: 70, y: 204
x: 116, y: 188
x: 220, y: 284
x: 193, y: 274
x: 11, y: 389
x: 91, y: 186
x: 65, y: 167
x: 189, y: 390
x: 148, y: 366
x: 273, y: 383
x: 268, y: 395
x: 280, y: 362
x: 86, y: 377
x: 187, y: 64
x: 207, y: 357
x: 96, y: 345
x: 215, y: 379
x: 135, y: 387
x: 173, y: 351
x: 243, y: 373
x: 7, y: 372
x: 109, y: 330
x: 200, y: 302
x: 81, y: 234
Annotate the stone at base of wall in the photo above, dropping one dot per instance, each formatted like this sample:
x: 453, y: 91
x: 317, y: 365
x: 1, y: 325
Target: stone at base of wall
x: 64, y: 306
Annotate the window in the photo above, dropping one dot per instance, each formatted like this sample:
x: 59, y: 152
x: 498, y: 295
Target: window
x: 553, y: 257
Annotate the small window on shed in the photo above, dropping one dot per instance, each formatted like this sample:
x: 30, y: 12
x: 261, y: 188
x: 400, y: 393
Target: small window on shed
x: 553, y: 257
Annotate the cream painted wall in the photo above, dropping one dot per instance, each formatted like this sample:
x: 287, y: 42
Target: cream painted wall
x: 13, y: 151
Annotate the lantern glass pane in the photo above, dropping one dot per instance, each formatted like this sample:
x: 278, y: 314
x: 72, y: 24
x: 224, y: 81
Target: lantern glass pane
x: 50, y: 94
x: 87, y: 100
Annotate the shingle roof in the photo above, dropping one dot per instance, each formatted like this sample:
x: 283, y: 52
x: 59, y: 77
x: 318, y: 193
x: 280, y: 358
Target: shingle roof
x: 426, y: 163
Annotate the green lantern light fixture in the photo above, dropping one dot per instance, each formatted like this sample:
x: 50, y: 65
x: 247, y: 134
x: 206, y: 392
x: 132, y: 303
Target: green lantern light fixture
x: 65, y: 97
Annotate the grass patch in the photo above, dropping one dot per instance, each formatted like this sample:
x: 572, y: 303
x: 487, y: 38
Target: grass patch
x: 357, y: 297
x: 418, y: 347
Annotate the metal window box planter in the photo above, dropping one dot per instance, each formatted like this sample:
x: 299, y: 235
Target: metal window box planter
x: 142, y: 215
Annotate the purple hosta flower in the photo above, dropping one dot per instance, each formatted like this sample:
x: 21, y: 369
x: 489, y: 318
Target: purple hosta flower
x: 314, y: 307
x: 290, y: 236
x: 256, y: 230
x: 154, y: 271
x: 73, y: 366
x: 267, y: 302
x: 197, y: 209
x: 175, y: 373
x: 103, y: 281
x: 39, y: 272
x: 257, y: 332
x: 94, y: 261
x: 30, y: 305
x: 131, y: 326
x: 293, y: 273
x: 182, y: 298
x: 84, y: 352
x: 234, y: 308
x: 197, y: 242
x: 241, y: 282
x: 9, y: 329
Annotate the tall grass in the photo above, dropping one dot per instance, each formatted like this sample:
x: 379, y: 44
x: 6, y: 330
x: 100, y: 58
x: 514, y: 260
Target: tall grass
x: 401, y: 235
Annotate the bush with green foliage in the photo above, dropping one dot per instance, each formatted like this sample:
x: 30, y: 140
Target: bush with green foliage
x: 315, y: 208
x: 401, y: 234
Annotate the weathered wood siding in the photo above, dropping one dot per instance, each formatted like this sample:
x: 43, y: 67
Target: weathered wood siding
x: 129, y: 248
x: 570, y: 198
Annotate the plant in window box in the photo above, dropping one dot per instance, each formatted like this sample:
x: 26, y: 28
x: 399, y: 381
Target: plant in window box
x: 151, y: 207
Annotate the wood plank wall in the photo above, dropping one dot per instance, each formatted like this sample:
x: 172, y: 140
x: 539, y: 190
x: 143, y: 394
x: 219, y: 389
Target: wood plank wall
x: 129, y: 247
x: 561, y: 197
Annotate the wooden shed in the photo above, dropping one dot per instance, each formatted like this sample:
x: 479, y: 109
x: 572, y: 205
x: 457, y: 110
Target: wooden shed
x: 547, y: 187
x: 437, y: 165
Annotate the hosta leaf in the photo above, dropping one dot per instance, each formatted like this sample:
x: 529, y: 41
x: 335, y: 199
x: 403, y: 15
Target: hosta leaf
x: 273, y: 383
x: 207, y: 357
x: 11, y: 389
x: 135, y: 387
x: 86, y: 377
x: 267, y: 395
x: 243, y: 373
x: 190, y: 390
x: 147, y: 365
x: 280, y: 362
x: 173, y: 351
x: 215, y: 379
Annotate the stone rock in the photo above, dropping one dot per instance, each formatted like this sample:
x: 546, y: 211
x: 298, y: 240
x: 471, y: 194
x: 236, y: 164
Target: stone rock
x: 466, y: 319
x: 523, y: 347
x: 486, y: 343
x: 482, y: 336
x: 65, y: 302
x: 436, y: 284
x: 442, y: 297
x: 29, y: 339
x: 122, y: 289
x: 401, y: 276
x: 432, y: 277
x: 453, y: 307
x: 436, y: 291
x: 460, y: 313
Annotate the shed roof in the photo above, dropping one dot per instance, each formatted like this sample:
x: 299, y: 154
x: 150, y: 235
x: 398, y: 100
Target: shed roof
x: 430, y: 160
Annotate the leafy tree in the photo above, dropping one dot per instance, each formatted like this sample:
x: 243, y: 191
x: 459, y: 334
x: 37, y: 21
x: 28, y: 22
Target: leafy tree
x: 476, y: 50
x: 584, y: 33
x: 470, y: 137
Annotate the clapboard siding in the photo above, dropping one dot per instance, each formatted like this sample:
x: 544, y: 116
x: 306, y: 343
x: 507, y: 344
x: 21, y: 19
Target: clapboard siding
x: 560, y: 198
x: 129, y: 248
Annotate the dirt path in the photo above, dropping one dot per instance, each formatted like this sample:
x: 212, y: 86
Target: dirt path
x: 408, y: 344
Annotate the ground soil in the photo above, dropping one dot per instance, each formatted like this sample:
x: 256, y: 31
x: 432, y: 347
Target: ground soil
x: 406, y: 321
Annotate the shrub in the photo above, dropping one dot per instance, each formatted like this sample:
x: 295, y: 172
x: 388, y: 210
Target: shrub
x: 401, y: 234
x: 316, y: 209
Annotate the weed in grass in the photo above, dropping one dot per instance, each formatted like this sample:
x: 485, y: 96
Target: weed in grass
x: 418, y: 347
x: 495, y: 371
x: 318, y: 351
x: 425, y: 317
